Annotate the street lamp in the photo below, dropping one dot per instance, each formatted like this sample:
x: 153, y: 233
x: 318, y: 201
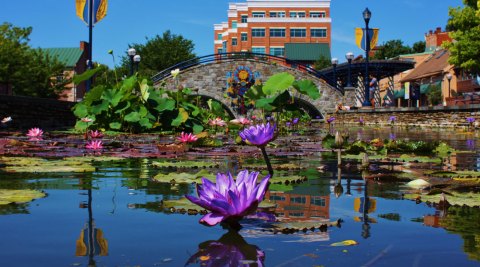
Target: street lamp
x: 366, y: 16
x: 334, y: 64
x: 131, y: 53
x: 136, y: 61
x: 449, y: 78
x: 349, y: 57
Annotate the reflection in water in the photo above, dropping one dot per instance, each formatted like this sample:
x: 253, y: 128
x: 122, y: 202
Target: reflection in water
x: 365, y: 205
x: 230, y: 250
x: 91, y: 241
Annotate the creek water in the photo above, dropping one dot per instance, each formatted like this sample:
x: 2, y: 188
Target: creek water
x: 114, y: 216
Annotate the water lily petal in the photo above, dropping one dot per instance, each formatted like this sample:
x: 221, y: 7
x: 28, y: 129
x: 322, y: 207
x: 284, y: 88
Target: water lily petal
x: 212, y: 219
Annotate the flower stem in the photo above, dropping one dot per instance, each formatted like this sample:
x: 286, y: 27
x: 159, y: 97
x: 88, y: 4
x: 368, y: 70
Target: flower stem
x: 267, y: 161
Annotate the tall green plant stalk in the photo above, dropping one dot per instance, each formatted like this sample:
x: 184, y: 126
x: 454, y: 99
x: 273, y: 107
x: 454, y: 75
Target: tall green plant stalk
x: 114, y: 66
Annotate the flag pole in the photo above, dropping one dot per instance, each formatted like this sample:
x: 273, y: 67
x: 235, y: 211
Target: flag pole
x: 90, y: 46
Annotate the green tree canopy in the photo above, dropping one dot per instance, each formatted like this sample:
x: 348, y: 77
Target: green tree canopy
x: 28, y: 71
x: 160, y: 53
x: 393, y: 48
x: 464, y: 24
x: 322, y: 63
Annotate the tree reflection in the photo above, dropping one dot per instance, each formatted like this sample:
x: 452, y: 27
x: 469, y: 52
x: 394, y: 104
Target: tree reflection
x: 230, y: 250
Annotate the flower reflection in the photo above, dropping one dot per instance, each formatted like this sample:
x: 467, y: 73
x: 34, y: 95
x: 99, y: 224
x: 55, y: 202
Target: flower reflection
x: 230, y: 250
x: 470, y: 144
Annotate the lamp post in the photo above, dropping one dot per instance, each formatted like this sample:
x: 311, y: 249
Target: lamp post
x: 349, y: 57
x: 449, y: 78
x: 136, y: 61
x: 366, y: 16
x: 131, y: 53
x: 334, y: 64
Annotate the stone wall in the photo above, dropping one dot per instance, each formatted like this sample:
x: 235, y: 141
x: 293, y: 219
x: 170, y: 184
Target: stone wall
x: 28, y: 112
x: 454, y: 116
x: 211, y: 80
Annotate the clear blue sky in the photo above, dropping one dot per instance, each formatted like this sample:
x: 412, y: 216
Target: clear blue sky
x: 130, y: 21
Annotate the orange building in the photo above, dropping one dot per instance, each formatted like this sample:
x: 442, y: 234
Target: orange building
x: 295, y: 29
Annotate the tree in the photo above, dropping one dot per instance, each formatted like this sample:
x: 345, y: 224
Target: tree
x: 28, y: 71
x: 160, y: 53
x: 321, y: 63
x: 391, y: 49
x: 419, y: 47
x: 464, y: 24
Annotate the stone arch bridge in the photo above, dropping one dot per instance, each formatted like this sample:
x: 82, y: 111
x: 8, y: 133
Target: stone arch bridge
x: 208, y: 77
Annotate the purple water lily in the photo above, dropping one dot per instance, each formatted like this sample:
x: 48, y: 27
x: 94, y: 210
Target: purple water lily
x: 330, y: 120
x: 230, y: 200
x: 258, y: 135
x: 470, y: 120
x: 392, y: 119
x: 295, y: 121
x: 230, y: 250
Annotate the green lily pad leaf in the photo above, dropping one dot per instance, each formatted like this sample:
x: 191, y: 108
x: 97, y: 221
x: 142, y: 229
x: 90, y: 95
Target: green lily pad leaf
x: 197, y: 128
x: 97, y: 109
x: 145, y: 122
x: 307, y: 87
x: 184, y: 164
x: 181, y: 118
x: 278, y: 83
x: 39, y: 165
x: 184, y: 178
x: 80, y: 110
x: 443, y: 150
x: 345, y: 243
x: 77, y: 79
x: 182, y: 203
x: 455, y: 198
x: 132, y: 117
x: 265, y: 103
x: 115, y: 125
x: 165, y: 104
x: 112, y: 96
x: 8, y: 196
x: 301, y: 225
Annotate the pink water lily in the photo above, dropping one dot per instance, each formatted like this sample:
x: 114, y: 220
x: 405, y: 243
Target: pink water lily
x: 187, y: 138
x: 86, y: 119
x: 35, y: 132
x: 217, y: 122
x: 241, y: 121
x: 94, y: 144
x: 230, y: 200
x: 95, y: 134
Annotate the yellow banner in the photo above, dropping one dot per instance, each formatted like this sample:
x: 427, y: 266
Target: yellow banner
x: 360, y: 37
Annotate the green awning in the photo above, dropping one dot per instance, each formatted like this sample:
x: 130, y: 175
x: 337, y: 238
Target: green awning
x: 424, y: 88
x: 67, y: 55
x: 307, y: 51
x: 399, y: 93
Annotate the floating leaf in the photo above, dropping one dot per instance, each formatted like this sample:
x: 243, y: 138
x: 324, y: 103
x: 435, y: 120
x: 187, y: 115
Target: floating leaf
x: 185, y: 178
x: 345, y: 243
x: 39, y: 165
x: 184, y: 164
x: 418, y: 183
x: 8, y: 196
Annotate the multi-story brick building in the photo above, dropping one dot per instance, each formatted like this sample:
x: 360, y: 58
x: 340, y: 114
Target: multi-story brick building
x: 295, y: 29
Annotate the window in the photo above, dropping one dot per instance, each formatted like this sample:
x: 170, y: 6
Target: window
x: 244, y: 18
x: 219, y: 51
x: 296, y: 14
x: 260, y: 50
x: 219, y: 36
x: 277, y: 198
x: 258, y: 32
x: 318, y: 33
x: 317, y: 14
x: 258, y: 14
x: 298, y: 32
x: 224, y: 46
x: 299, y: 200
x: 234, y: 41
x: 244, y: 36
x: 279, y: 14
x: 277, y: 51
x: 234, y: 24
x: 319, y: 201
x: 277, y: 32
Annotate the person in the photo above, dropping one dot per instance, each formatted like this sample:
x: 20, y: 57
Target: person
x: 372, y: 87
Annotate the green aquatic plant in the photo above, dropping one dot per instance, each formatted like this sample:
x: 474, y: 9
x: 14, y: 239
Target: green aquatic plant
x: 8, y: 196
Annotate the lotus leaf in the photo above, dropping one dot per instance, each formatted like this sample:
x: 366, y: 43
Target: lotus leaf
x: 184, y: 164
x: 185, y: 178
x: 39, y: 165
x: 8, y: 196
x: 469, y: 199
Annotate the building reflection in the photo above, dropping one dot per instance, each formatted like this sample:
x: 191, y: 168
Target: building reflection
x: 301, y: 204
x: 91, y: 241
x: 461, y: 161
x: 365, y: 205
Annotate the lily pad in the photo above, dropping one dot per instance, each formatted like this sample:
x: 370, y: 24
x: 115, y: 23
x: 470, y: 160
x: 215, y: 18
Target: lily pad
x: 40, y: 165
x: 469, y: 199
x: 179, y: 204
x: 8, y: 196
x: 185, y: 178
x: 184, y: 164
x: 345, y: 243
